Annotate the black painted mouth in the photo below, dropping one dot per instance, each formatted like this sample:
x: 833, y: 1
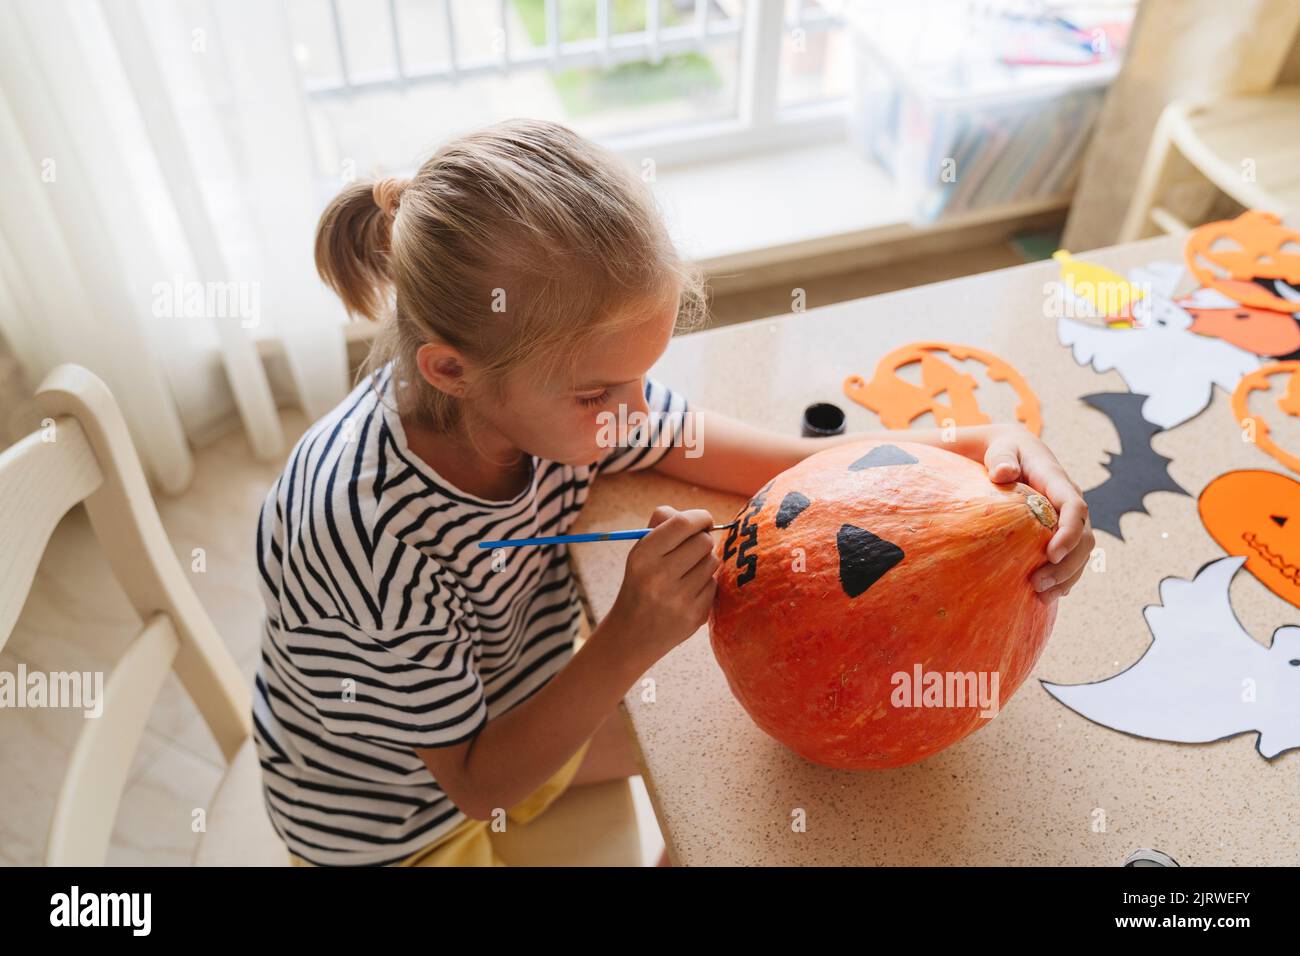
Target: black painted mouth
x: 1289, y: 571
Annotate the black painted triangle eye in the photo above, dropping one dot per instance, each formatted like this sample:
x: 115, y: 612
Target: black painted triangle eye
x: 1279, y: 520
x: 864, y: 558
x: 792, y: 505
x: 881, y: 456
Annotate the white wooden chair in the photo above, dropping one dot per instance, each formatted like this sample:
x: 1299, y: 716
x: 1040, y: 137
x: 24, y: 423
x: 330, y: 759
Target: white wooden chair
x: 1246, y: 146
x: 83, y: 453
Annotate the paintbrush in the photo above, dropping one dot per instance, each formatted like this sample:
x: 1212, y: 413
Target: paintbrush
x: 580, y: 538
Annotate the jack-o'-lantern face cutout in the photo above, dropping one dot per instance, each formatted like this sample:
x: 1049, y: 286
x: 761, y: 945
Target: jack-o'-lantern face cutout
x: 944, y: 391
x: 1252, y: 259
x: 1254, y: 428
x: 1261, y: 331
x: 1256, y: 515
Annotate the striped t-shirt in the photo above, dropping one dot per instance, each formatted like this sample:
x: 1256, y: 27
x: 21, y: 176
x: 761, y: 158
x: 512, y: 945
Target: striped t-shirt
x: 387, y: 628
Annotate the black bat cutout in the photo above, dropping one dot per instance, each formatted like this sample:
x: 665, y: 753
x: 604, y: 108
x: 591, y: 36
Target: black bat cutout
x: 1135, y: 472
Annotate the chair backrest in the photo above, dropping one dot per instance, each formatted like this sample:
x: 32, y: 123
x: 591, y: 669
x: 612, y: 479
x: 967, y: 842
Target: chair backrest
x: 82, y: 452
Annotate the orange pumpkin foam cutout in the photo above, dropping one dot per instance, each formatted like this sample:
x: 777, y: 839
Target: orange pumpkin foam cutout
x: 944, y: 392
x: 1230, y: 254
x: 1256, y: 427
x: 1261, y: 331
x: 1256, y: 515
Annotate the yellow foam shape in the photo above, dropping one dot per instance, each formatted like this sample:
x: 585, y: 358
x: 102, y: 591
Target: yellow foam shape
x: 1109, y: 292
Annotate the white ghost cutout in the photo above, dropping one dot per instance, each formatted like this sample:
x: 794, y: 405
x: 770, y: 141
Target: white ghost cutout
x: 1159, y: 357
x: 1207, y: 298
x: 1158, y: 279
x: 1203, y: 678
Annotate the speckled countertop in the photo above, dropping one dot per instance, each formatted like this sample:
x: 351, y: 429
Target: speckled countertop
x: 1039, y: 784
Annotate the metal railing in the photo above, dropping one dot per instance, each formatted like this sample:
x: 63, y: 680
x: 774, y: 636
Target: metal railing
x: 708, y: 27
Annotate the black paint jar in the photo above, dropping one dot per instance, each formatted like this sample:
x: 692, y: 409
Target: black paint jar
x: 823, y: 419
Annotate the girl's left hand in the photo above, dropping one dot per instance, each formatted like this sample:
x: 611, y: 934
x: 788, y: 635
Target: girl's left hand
x: 1014, y: 454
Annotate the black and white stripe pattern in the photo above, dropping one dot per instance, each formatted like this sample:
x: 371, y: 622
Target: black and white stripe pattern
x: 387, y: 629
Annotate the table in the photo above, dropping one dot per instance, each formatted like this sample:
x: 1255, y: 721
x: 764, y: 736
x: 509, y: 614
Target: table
x: 1039, y: 784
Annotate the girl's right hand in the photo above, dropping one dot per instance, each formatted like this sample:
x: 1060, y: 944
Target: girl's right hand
x: 668, y: 582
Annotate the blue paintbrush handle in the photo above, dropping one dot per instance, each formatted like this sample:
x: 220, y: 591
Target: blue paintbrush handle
x: 578, y: 538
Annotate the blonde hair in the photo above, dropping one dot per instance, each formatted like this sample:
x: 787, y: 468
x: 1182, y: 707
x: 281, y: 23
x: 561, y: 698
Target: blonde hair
x: 514, y: 244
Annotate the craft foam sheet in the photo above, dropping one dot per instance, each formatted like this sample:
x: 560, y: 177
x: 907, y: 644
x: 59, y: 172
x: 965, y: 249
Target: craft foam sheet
x: 1255, y: 515
x: 1203, y: 677
x: 1159, y: 356
x: 945, y: 392
x: 1253, y: 259
x: 1257, y: 427
x: 1135, y: 471
x: 1261, y: 332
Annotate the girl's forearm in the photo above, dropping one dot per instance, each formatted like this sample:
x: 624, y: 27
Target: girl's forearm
x: 519, y: 751
x: 970, y: 441
x: 738, y: 457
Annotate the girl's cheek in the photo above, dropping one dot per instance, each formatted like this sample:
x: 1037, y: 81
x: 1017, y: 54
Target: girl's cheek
x: 613, y: 421
x: 632, y: 399
x: 593, y: 424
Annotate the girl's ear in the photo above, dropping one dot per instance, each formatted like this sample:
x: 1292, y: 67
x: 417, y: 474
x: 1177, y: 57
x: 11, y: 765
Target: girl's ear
x: 443, y: 367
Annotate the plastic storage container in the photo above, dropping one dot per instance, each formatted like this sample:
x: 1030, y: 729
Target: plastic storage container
x: 968, y: 109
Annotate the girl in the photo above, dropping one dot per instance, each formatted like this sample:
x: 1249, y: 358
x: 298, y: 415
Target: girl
x: 413, y: 686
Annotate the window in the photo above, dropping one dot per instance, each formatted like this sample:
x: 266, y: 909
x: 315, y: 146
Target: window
x: 387, y: 80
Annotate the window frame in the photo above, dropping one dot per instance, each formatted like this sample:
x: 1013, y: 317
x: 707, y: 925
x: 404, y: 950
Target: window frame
x: 760, y: 123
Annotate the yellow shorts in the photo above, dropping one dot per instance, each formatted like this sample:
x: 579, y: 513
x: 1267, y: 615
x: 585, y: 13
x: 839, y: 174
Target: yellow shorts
x: 470, y: 843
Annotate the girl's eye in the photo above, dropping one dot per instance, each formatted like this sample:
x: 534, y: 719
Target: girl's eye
x: 595, y: 399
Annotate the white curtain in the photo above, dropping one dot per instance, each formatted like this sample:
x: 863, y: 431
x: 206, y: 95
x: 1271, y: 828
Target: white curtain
x: 156, y: 215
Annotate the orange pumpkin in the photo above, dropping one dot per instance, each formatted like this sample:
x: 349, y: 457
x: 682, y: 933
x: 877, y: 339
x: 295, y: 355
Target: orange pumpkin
x: 858, y: 580
x: 1256, y: 515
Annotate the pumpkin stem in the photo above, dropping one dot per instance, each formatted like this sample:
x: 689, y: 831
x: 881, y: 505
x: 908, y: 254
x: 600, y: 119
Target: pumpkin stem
x: 1042, y: 509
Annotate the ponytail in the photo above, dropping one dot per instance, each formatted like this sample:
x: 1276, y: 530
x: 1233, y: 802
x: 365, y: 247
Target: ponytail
x: 353, y: 241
